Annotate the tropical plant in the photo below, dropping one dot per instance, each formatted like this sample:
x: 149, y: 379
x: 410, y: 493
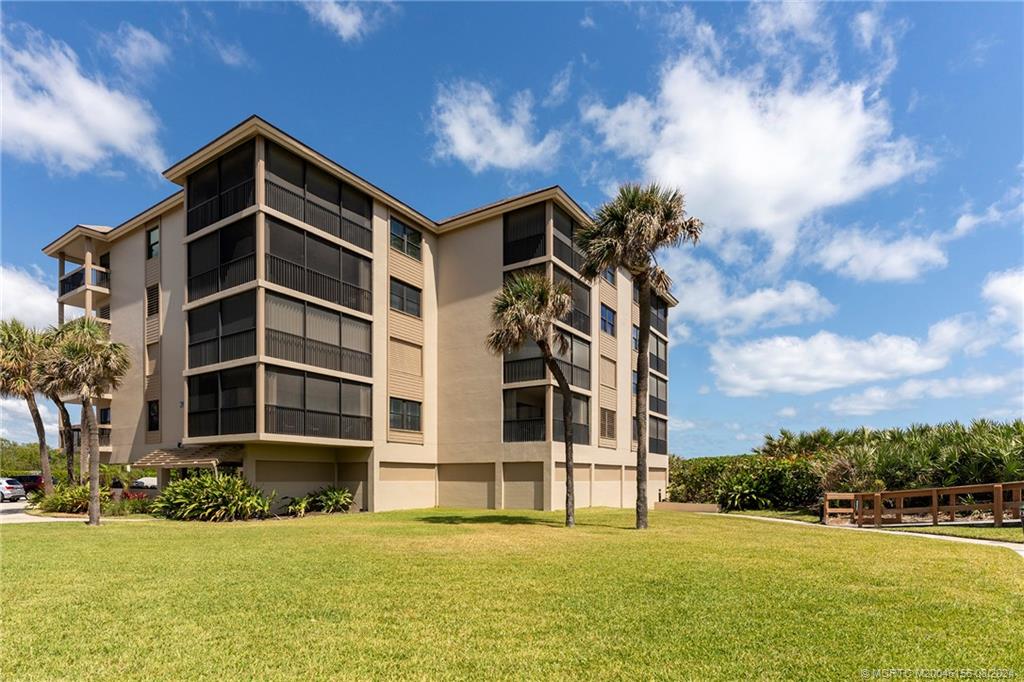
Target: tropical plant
x: 55, y: 386
x: 212, y: 496
x: 21, y: 350
x: 524, y: 311
x: 89, y: 363
x: 68, y: 499
x: 628, y: 233
x: 328, y: 500
x: 130, y: 503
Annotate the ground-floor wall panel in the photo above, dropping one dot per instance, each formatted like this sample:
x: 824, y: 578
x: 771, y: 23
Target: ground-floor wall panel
x: 523, y: 485
x: 403, y: 485
x: 466, y: 485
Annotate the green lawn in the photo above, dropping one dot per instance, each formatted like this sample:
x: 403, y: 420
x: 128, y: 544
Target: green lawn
x: 792, y: 515
x: 484, y: 595
x: 989, y: 532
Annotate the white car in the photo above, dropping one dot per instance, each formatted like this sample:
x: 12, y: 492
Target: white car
x: 144, y: 482
x: 11, y: 489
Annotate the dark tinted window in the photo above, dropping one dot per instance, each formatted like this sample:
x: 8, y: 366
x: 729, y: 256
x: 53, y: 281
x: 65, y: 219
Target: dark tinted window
x: 238, y: 387
x: 323, y: 185
x: 202, y: 392
x: 285, y: 242
x: 238, y: 239
x: 202, y: 323
x: 202, y: 185
x: 355, y: 201
x: 283, y: 164
x: 203, y: 254
x: 238, y: 313
x: 237, y: 166
x: 323, y: 257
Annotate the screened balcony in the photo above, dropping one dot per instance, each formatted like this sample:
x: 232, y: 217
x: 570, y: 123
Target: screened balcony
x: 659, y: 355
x: 579, y: 317
x: 97, y: 276
x: 526, y: 364
x: 657, y: 436
x: 306, y: 333
x: 223, y: 330
x: 224, y: 259
x: 659, y: 315
x: 565, y: 239
x: 222, y: 187
x: 575, y: 362
x: 306, y: 404
x: 524, y: 234
x: 303, y: 262
x: 308, y: 193
x: 524, y: 414
x: 580, y: 419
x: 222, y: 402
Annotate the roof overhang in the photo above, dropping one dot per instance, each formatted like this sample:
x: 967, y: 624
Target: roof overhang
x: 206, y: 456
x: 107, y: 234
x: 254, y: 125
x: 554, y: 193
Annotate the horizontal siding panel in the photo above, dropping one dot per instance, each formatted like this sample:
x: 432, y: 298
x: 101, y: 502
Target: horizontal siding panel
x: 153, y: 437
x: 152, y: 271
x: 635, y: 315
x: 407, y: 269
x: 607, y: 346
x: 608, y: 295
x: 405, y: 357
x: 607, y: 400
x: 152, y: 329
x: 405, y: 386
x: 411, y: 437
x: 607, y: 443
x: 152, y: 390
x: 405, y: 327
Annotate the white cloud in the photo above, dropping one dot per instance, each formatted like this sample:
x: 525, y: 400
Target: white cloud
x: 27, y: 296
x: 1009, y: 207
x: 879, y: 399
x: 867, y: 256
x: 754, y: 154
x: 350, y: 21
x: 787, y: 412
x: 559, y: 90
x: 677, y: 424
x: 790, y: 364
x: 588, y: 20
x: 57, y: 115
x: 774, y: 26
x: 136, y: 50
x: 705, y: 297
x: 684, y: 25
x: 1004, y: 291
x: 470, y: 127
x: 16, y: 423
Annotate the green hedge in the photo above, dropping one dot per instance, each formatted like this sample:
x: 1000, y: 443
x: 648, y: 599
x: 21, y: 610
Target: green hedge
x: 211, y: 496
x: 792, y: 471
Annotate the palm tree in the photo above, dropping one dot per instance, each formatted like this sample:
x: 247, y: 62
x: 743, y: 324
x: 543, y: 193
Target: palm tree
x: 21, y: 349
x: 92, y: 364
x: 54, y: 386
x: 628, y: 232
x: 523, y: 311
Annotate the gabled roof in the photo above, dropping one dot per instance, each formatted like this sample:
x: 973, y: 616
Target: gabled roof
x: 104, y: 233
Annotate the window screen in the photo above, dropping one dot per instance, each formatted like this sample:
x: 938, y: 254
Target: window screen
x: 323, y: 394
x: 323, y: 185
x: 238, y: 313
x: 237, y: 239
x: 284, y: 165
x: 203, y: 255
x: 355, y: 334
x: 285, y: 242
x: 355, y: 399
x: 237, y: 166
x: 284, y: 314
x: 323, y: 325
x: 323, y: 257
x: 285, y: 388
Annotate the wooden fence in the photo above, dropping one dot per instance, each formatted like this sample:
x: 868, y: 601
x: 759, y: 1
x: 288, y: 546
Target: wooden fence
x: 891, y: 506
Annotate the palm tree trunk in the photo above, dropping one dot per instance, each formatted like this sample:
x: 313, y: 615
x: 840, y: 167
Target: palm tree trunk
x: 89, y: 419
x: 44, y: 452
x: 642, y: 387
x: 67, y: 435
x: 566, y: 391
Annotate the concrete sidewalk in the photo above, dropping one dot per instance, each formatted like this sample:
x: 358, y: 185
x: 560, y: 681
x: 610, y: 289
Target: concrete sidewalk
x: 14, y: 512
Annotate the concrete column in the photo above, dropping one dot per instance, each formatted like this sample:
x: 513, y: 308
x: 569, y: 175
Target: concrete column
x: 87, y: 270
x: 499, y: 485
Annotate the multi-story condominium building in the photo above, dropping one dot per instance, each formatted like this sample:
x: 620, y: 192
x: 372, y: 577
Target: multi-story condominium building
x: 289, y: 318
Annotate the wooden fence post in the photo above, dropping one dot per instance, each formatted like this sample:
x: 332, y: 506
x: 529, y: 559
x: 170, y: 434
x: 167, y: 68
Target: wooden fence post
x: 997, y: 504
x: 952, y: 506
x: 878, y: 509
x: 859, y: 501
x: 899, y: 509
x: 935, y: 506
x: 1015, y: 506
x: 824, y: 510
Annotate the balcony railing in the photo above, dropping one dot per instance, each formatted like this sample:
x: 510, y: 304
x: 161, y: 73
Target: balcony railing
x: 577, y: 376
x: 660, y: 324
x: 71, y: 281
x: 227, y: 203
x: 659, y: 364
x: 580, y: 432
x: 356, y: 297
x: 295, y: 348
x: 315, y: 283
x: 525, y: 248
x: 526, y: 369
x: 523, y: 430
x: 227, y: 275
x: 659, y: 405
x: 568, y: 254
x: 230, y: 420
x: 323, y: 215
x: 356, y: 362
x: 104, y: 436
x: 292, y: 421
x: 579, y: 320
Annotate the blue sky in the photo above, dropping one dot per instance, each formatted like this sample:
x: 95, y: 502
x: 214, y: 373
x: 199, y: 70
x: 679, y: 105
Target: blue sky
x: 858, y: 167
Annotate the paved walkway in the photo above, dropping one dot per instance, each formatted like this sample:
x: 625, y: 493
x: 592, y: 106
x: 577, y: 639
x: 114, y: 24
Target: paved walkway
x: 14, y: 512
x: 1012, y: 546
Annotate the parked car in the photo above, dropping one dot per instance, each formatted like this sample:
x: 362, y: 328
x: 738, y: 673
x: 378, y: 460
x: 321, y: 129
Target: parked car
x: 30, y: 482
x: 11, y: 489
x: 144, y: 482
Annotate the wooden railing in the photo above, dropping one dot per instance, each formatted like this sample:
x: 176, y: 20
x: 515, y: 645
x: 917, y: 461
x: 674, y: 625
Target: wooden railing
x: 891, y: 506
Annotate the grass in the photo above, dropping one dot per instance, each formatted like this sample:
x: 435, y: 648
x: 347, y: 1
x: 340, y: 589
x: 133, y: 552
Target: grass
x: 793, y: 515
x: 492, y: 594
x: 981, y: 532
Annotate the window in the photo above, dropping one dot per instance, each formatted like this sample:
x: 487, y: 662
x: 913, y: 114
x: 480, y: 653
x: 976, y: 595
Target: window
x: 405, y: 298
x: 104, y: 415
x: 636, y: 382
x: 608, y: 275
x: 153, y: 242
x: 405, y: 357
x: 579, y: 316
x: 636, y: 338
x: 580, y: 413
x: 523, y: 234
x: 153, y: 415
x: 153, y: 300
x: 659, y: 354
x: 222, y: 187
x: 356, y: 275
x: 223, y: 259
x: 575, y: 362
x: 238, y: 400
x: 405, y: 415
x: 222, y: 331
x: 657, y: 436
x: 607, y: 320
x: 608, y: 370
x: 607, y: 423
x: 658, y: 395
x: 405, y: 239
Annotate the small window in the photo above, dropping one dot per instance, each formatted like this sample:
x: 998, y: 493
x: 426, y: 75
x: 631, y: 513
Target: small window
x: 406, y: 239
x: 153, y: 415
x: 153, y: 300
x: 153, y: 242
x: 636, y: 382
x: 104, y: 415
x: 607, y: 320
x: 608, y: 275
x: 636, y: 338
x: 607, y: 423
x: 405, y: 298
x: 405, y: 415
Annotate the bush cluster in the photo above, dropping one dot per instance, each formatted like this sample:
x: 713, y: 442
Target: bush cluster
x: 792, y: 471
x: 211, y: 496
x: 327, y: 500
x: 67, y: 499
x: 130, y: 503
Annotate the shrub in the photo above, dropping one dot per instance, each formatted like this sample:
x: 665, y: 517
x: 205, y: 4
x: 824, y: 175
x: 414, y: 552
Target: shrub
x: 327, y: 500
x: 130, y: 503
x: 68, y: 499
x: 212, y: 496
